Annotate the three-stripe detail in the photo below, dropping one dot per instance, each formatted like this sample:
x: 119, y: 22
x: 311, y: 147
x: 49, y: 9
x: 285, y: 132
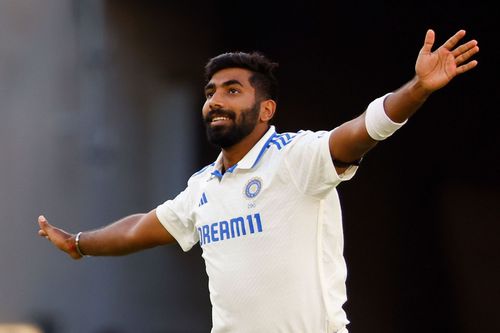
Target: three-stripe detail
x: 203, y: 200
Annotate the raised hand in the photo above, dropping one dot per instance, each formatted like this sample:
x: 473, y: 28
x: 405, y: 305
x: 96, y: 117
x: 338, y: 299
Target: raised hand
x: 435, y: 69
x: 60, y: 238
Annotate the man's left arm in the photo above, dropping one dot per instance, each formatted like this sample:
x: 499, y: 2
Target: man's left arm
x: 433, y: 70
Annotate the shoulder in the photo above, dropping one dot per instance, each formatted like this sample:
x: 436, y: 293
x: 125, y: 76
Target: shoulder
x: 300, y: 138
x: 201, y: 174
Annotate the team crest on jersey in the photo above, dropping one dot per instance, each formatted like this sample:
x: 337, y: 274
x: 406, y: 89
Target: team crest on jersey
x: 253, y: 187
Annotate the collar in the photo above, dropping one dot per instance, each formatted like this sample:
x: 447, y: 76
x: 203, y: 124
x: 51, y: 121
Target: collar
x: 251, y: 158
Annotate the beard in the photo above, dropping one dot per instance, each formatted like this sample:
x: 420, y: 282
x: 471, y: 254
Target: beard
x: 240, y: 127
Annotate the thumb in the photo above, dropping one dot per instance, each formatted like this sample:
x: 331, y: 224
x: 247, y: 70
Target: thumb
x: 428, y: 42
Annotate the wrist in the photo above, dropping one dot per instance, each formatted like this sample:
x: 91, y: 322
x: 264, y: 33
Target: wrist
x: 377, y: 123
x: 77, y: 245
x: 71, y: 246
x: 417, y: 90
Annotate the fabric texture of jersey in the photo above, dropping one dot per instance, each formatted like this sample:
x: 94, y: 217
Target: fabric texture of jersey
x: 271, y: 232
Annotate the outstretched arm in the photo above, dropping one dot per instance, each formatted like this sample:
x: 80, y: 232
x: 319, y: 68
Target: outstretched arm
x: 433, y: 70
x: 130, y: 234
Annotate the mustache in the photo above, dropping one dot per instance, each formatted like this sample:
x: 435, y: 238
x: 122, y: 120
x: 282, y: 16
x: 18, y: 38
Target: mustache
x: 220, y: 113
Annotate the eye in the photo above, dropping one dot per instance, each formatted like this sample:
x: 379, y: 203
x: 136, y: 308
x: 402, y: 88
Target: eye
x: 209, y: 94
x: 233, y: 91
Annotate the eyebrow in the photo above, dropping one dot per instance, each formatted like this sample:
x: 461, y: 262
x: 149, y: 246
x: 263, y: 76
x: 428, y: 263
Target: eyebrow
x: 224, y: 84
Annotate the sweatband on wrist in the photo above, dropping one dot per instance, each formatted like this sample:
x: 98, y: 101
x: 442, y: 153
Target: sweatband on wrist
x: 378, y: 124
x: 77, y: 244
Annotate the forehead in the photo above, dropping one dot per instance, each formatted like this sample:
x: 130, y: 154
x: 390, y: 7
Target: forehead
x: 241, y: 75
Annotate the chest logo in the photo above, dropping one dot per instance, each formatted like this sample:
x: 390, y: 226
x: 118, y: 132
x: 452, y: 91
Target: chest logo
x: 253, y: 187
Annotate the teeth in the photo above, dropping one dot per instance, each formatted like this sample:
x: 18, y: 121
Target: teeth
x: 219, y: 118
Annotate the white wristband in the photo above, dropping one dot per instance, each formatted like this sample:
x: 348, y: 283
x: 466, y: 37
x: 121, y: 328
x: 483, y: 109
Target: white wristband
x: 378, y: 124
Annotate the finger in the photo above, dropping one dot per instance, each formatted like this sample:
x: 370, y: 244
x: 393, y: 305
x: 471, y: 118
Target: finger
x: 466, y: 55
x: 467, y: 67
x: 45, y: 227
x: 429, y: 41
x: 42, y: 222
x: 450, y: 43
x: 464, y: 48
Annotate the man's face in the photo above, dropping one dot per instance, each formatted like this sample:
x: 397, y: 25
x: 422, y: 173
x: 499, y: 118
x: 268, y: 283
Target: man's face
x: 231, y: 111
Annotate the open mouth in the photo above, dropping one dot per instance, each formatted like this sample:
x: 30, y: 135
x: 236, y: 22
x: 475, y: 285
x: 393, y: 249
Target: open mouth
x: 219, y: 119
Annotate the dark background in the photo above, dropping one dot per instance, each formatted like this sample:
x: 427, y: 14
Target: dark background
x: 421, y: 217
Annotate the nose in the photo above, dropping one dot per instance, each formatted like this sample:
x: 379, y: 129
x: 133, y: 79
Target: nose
x: 215, y: 102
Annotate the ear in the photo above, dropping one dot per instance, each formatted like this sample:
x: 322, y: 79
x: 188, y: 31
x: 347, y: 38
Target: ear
x: 267, y: 109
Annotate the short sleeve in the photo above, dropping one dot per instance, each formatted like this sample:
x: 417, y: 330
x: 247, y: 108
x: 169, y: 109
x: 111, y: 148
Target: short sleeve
x: 175, y: 215
x: 310, y: 164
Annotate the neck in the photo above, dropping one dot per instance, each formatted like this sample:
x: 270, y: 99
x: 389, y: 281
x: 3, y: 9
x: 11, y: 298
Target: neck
x: 234, y: 154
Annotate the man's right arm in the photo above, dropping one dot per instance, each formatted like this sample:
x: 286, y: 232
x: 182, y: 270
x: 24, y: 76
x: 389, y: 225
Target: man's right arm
x: 130, y: 234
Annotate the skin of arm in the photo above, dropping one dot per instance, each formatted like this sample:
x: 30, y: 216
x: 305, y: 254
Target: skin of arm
x: 433, y: 70
x: 127, y: 235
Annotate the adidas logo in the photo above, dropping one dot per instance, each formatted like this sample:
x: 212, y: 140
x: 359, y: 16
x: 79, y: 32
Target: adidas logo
x: 203, y: 200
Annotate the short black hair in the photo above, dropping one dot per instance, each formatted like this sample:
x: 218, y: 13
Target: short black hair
x: 263, y: 78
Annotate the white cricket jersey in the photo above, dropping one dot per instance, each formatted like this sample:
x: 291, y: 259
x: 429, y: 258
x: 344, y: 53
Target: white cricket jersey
x: 271, y: 232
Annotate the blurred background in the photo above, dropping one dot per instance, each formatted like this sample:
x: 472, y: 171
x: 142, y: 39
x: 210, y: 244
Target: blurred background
x: 100, y: 105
